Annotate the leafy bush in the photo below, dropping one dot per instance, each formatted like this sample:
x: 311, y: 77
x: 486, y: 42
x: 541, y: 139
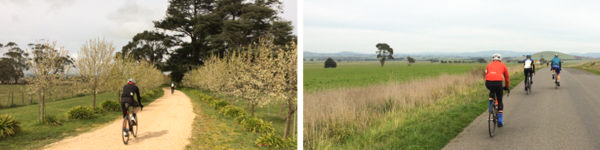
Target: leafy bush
x: 274, y: 141
x: 8, y: 126
x: 232, y: 111
x: 81, y: 112
x: 218, y: 104
x: 52, y: 121
x: 241, y: 118
x: 254, y: 124
x: 111, y: 106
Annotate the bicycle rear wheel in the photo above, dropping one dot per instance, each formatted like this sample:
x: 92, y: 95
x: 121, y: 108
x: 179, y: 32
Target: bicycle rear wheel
x: 492, y: 121
x: 134, y: 127
x: 125, y: 137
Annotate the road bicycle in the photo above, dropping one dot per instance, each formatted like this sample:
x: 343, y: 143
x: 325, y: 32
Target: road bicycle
x: 493, y: 115
x: 132, y: 125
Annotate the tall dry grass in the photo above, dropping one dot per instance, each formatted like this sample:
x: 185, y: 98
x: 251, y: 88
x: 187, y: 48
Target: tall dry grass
x: 335, y: 115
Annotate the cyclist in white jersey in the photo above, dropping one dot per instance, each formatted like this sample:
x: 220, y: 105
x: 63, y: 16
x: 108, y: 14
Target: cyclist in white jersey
x: 528, y: 67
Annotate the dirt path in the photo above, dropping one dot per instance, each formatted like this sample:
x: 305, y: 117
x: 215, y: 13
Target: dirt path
x: 164, y: 124
x: 548, y: 118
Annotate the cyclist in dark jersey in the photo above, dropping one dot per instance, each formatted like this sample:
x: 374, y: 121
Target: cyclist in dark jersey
x: 129, y: 91
x: 495, y: 72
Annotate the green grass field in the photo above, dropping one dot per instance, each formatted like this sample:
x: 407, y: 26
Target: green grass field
x: 357, y: 74
x: 34, y: 135
x: 214, y: 131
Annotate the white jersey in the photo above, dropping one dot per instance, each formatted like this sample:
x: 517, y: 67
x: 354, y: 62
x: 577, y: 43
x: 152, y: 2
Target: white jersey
x: 528, y: 63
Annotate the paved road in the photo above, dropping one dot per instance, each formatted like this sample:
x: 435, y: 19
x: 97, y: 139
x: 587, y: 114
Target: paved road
x: 164, y: 124
x: 548, y: 118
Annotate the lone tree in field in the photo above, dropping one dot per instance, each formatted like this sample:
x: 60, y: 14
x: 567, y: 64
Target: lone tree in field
x: 49, y: 67
x: 384, y: 51
x: 330, y: 63
x: 94, y: 63
x: 410, y: 60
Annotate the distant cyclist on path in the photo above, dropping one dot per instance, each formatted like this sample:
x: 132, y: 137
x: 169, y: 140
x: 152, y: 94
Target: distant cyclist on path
x: 556, y: 67
x: 495, y: 72
x: 129, y: 90
x: 528, y: 68
x: 172, y: 87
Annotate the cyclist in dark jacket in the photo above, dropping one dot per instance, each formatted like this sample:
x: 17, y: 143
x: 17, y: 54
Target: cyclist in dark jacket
x: 129, y: 91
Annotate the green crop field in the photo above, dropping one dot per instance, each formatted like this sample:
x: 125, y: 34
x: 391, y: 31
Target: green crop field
x: 356, y: 74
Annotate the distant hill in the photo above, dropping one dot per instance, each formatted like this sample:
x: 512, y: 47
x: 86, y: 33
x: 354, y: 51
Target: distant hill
x: 548, y: 55
x: 505, y: 53
x: 594, y: 55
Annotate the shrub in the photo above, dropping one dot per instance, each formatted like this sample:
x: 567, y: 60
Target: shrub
x: 232, y: 111
x: 52, y: 121
x: 241, y: 118
x: 81, y: 112
x: 111, y: 106
x: 273, y: 141
x: 218, y: 104
x: 256, y: 125
x: 8, y: 126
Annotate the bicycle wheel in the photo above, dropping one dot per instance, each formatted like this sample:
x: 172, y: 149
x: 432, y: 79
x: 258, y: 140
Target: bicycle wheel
x: 492, y: 121
x: 125, y: 137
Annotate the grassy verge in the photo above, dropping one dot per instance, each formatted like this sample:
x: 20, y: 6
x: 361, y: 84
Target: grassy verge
x: 593, y: 67
x: 429, y: 126
x: 212, y: 130
x: 35, y: 135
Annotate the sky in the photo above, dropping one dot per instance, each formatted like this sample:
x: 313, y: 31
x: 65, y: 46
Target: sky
x: 72, y: 22
x: 451, y: 26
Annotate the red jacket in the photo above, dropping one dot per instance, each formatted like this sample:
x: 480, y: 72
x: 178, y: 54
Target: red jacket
x: 495, y: 70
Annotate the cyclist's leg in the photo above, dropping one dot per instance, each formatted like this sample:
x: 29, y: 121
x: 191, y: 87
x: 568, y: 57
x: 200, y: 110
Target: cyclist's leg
x: 526, y: 73
x: 558, y: 74
x: 491, y: 95
x: 124, y: 109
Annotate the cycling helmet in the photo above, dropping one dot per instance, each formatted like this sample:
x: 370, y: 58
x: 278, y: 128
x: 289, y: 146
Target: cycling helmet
x: 528, y: 56
x: 131, y: 80
x: 555, y: 55
x: 497, y: 57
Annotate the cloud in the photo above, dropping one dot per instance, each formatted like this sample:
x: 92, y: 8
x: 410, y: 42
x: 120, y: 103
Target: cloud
x: 462, y: 25
x: 131, y: 18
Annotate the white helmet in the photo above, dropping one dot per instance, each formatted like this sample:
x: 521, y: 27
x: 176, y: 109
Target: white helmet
x: 131, y: 80
x: 497, y: 57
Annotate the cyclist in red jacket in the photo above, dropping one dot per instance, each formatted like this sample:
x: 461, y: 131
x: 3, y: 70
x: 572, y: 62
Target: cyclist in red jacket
x: 494, y: 74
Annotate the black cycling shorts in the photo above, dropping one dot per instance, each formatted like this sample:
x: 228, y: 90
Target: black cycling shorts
x: 129, y: 101
x: 496, y: 90
x: 528, y: 71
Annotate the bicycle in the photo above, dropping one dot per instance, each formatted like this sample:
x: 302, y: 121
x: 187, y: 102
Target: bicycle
x: 493, y: 116
x: 131, y: 125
